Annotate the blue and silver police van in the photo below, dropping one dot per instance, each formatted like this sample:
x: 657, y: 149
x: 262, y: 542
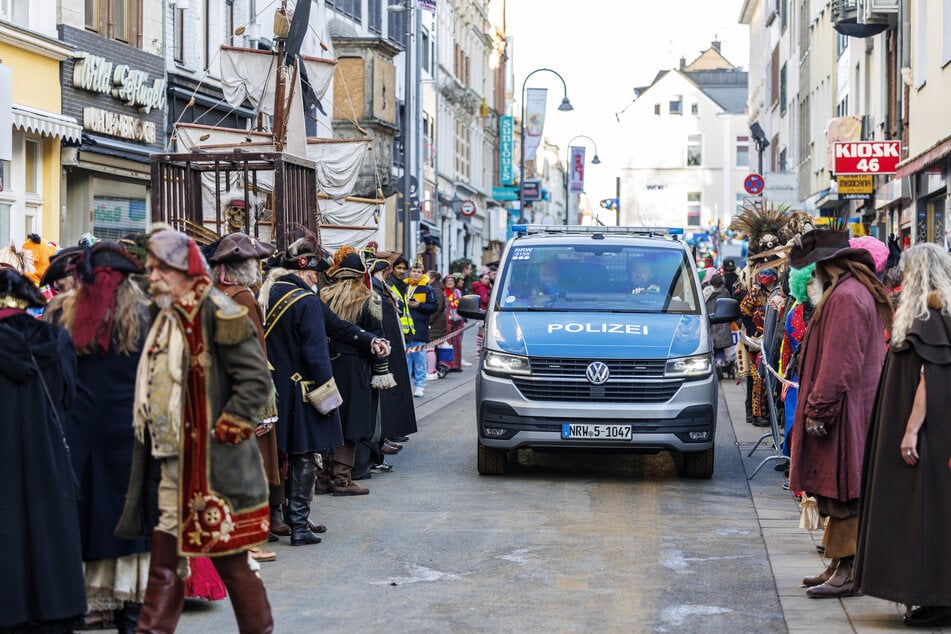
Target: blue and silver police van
x: 597, y: 338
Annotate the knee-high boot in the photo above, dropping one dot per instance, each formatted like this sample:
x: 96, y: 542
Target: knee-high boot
x: 276, y: 501
x: 343, y: 483
x: 247, y: 593
x: 165, y: 593
x: 303, y: 471
x: 324, y: 476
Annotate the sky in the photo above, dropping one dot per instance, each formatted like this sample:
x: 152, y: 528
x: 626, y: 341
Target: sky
x: 604, y: 49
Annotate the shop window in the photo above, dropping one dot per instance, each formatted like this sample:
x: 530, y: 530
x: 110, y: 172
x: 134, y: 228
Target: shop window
x: 32, y: 166
x: 693, y: 209
x: 116, y: 19
x: 116, y: 217
x: 742, y: 151
x: 15, y: 11
x: 694, y: 150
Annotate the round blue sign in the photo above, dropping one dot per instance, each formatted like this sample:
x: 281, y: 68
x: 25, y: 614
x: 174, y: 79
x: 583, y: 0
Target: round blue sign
x: 754, y: 184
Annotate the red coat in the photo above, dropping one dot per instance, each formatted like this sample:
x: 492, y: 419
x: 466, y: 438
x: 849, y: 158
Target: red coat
x: 839, y: 367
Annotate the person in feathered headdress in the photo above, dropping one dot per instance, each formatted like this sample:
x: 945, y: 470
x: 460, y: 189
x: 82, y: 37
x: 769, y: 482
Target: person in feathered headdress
x: 359, y: 376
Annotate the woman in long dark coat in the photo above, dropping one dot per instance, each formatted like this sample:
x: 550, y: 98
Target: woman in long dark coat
x: 41, y: 557
x: 107, y: 316
x: 397, y: 409
x: 356, y: 372
x: 903, y: 540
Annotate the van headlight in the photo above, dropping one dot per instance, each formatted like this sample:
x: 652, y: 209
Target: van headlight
x: 505, y: 364
x: 689, y: 367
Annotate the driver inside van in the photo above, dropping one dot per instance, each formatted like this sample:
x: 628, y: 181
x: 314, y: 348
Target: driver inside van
x: 642, y: 279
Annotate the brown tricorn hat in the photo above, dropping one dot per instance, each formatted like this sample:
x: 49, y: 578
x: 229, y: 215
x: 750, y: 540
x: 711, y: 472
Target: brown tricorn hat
x: 820, y: 245
x: 240, y: 246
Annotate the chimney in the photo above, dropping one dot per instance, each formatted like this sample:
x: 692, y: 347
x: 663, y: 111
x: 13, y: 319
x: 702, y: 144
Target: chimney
x: 683, y: 62
x: 716, y: 45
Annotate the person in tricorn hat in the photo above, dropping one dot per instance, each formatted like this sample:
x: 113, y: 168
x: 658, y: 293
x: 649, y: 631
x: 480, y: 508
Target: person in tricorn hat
x: 730, y: 276
x: 236, y: 269
x: 359, y: 377
x: 201, y: 379
x: 297, y: 325
x: 839, y: 367
x: 107, y: 315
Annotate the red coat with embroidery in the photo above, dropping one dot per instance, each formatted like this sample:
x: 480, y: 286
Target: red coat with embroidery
x: 839, y: 367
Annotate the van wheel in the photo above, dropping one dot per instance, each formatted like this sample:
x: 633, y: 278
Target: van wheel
x: 698, y: 464
x: 492, y: 461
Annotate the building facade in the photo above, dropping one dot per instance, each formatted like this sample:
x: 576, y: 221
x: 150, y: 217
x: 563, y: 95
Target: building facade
x: 690, y: 147
x: 114, y: 85
x: 32, y: 126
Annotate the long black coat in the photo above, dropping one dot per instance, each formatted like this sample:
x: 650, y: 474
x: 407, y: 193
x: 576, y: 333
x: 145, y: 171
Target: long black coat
x: 298, y: 345
x: 352, y: 371
x: 40, y: 557
x: 398, y: 412
x: 100, y: 434
x: 903, y: 537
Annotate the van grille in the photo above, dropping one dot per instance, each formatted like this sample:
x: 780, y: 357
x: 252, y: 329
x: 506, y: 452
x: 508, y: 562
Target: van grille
x: 632, y: 381
x: 620, y: 368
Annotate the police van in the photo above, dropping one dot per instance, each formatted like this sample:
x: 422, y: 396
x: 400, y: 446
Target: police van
x: 597, y: 338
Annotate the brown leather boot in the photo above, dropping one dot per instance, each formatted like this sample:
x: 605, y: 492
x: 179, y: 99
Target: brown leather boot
x: 343, y: 483
x: 324, y: 477
x: 247, y: 593
x: 822, y: 577
x: 165, y: 593
x: 838, y: 585
x: 278, y: 525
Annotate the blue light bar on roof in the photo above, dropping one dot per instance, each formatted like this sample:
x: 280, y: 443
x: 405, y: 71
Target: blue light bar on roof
x: 592, y: 229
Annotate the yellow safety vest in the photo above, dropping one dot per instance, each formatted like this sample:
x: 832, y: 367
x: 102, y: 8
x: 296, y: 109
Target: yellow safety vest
x: 406, y: 320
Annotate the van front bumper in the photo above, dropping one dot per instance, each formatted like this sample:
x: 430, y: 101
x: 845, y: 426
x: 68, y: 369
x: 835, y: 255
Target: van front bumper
x: 684, y: 423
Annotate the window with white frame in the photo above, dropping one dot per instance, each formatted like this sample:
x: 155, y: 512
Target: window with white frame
x: 462, y: 150
x: 16, y: 11
x: 742, y: 151
x: 32, y: 166
x: 693, y: 209
x: 694, y: 150
x: 676, y: 105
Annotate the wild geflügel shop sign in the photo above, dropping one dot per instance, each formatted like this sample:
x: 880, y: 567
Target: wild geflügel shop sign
x: 97, y: 74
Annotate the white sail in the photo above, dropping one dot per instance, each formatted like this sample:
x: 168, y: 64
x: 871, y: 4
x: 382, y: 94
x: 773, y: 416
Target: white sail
x: 338, y: 163
x: 295, y: 137
x: 193, y: 137
x: 320, y: 72
x: 248, y: 73
x: 352, y: 221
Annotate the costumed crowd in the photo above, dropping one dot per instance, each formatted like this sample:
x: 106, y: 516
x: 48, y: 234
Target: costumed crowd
x: 838, y: 341
x: 184, y: 409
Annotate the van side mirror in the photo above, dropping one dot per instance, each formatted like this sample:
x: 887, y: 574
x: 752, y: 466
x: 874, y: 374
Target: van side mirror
x: 470, y: 307
x: 725, y: 310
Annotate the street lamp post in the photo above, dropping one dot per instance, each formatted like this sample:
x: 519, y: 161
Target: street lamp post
x: 594, y: 161
x: 564, y: 107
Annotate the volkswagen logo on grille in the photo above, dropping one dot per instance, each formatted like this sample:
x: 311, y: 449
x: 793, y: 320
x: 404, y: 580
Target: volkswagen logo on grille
x: 597, y: 372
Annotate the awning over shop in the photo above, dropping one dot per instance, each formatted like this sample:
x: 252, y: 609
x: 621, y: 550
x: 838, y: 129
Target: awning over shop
x: 933, y: 154
x: 46, y: 123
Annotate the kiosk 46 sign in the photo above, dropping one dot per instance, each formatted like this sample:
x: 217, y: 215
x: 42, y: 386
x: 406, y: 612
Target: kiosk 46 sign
x: 866, y: 157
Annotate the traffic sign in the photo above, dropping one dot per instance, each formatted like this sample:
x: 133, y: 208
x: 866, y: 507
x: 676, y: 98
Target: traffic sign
x: 866, y: 157
x: 754, y: 184
x: 467, y: 208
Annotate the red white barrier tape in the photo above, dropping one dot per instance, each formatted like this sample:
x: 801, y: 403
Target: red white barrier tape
x: 435, y: 342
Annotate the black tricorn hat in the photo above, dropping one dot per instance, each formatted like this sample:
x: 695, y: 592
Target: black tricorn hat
x: 304, y: 255
x: 83, y: 260
x: 351, y: 266
x: 240, y: 246
x: 820, y: 245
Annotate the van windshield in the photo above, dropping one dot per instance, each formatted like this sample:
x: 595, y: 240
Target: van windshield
x: 594, y: 278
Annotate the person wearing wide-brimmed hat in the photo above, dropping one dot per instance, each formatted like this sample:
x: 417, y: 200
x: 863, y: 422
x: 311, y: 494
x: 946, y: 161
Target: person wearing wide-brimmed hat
x: 235, y: 269
x: 201, y: 380
x: 42, y: 553
x: 298, y: 325
x: 360, y: 376
x: 839, y: 367
x: 107, y: 316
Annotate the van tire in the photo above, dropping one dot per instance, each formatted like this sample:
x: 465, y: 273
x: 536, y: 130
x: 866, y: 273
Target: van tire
x: 492, y: 461
x: 697, y: 464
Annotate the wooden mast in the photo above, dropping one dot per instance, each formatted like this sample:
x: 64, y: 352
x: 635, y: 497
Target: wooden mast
x: 277, y: 122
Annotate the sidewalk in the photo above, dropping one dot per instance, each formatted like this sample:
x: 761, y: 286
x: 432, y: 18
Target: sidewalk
x: 792, y: 550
